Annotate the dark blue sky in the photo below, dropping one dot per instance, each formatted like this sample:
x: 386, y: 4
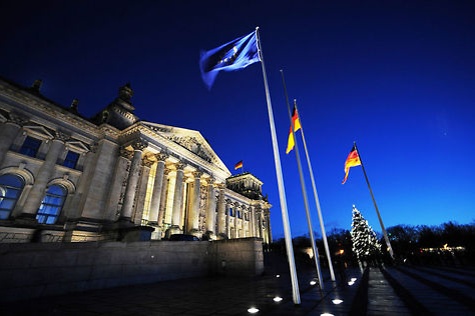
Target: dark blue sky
x: 397, y: 77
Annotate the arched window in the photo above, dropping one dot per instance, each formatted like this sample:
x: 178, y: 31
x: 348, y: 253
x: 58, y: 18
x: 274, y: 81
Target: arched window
x: 52, y: 204
x: 10, y: 189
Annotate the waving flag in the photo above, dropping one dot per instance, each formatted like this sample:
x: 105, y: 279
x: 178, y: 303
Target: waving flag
x: 235, y: 55
x: 238, y: 165
x: 352, y: 160
x: 297, y: 126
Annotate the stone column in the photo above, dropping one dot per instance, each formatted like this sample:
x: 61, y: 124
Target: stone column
x: 132, y: 181
x: 157, y: 189
x: 163, y: 198
x: 8, y: 133
x: 178, y: 198
x: 252, y: 222
x: 221, y: 211
x: 138, y: 210
x: 229, y: 204
x: 194, y: 210
x: 44, y: 175
x: 258, y: 223
x: 268, y: 227
x: 261, y: 224
x: 211, y: 208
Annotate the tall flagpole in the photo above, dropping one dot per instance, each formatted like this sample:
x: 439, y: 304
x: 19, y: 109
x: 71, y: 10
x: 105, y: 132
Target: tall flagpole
x: 317, y: 202
x: 316, y: 256
x: 385, y: 234
x: 280, y: 183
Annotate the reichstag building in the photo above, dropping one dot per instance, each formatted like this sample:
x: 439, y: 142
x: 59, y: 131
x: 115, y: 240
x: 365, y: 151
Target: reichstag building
x: 114, y: 177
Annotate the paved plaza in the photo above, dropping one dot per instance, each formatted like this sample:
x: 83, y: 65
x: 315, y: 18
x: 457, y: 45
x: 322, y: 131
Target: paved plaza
x: 401, y: 290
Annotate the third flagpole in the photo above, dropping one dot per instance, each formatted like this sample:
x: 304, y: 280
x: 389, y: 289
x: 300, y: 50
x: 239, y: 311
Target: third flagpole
x: 385, y: 234
x: 280, y: 183
x: 317, y: 202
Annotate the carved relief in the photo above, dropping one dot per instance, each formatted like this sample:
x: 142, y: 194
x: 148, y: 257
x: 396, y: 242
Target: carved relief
x: 193, y: 145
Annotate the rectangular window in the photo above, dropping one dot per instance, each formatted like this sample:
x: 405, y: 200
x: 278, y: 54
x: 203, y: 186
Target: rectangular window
x: 30, y: 146
x: 71, y: 159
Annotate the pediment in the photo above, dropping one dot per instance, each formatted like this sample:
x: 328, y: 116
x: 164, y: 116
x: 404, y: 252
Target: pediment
x: 40, y: 131
x: 191, y: 140
x: 77, y: 145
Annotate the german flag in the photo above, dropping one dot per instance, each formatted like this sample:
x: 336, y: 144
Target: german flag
x: 238, y: 165
x: 297, y: 126
x: 352, y: 160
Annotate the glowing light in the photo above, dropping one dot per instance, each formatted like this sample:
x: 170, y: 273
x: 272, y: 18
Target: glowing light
x: 277, y: 276
x: 252, y: 310
x: 326, y: 314
x: 337, y: 301
x: 278, y: 299
x: 353, y: 279
x: 351, y: 282
x: 313, y: 282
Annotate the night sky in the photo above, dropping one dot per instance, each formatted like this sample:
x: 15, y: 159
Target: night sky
x: 397, y: 77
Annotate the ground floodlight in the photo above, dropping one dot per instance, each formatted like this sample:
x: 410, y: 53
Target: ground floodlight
x: 252, y: 310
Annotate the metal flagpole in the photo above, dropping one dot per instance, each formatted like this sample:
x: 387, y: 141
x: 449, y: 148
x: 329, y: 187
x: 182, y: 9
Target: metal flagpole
x: 317, y: 202
x: 388, y: 244
x: 280, y: 182
x: 304, y: 191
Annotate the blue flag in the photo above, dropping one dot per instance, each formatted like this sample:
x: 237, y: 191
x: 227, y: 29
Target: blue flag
x: 235, y: 55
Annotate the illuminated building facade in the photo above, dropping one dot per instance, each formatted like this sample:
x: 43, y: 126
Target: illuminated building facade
x: 64, y: 177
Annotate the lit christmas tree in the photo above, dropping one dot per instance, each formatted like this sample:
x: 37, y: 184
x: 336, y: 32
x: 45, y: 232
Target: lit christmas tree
x: 365, y: 244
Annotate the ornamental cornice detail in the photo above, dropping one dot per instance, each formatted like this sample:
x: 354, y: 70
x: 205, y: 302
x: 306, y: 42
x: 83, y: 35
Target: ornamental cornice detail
x: 46, y: 107
x: 18, y: 118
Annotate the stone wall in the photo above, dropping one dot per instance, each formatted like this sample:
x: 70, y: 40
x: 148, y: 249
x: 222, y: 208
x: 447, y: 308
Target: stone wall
x: 29, y: 270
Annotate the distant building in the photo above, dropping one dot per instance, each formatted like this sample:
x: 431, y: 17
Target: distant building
x: 64, y: 177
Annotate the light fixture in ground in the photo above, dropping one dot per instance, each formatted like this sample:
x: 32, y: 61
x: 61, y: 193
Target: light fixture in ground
x: 353, y: 279
x: 277, y: 299
x: 313, y: 282
x: 351, y: 282
x: 252, y: 310
x: 337, y: 301
x: 326, y: 314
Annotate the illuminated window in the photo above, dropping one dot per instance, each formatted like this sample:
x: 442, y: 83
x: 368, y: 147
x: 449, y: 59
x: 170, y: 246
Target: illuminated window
x: 11, y: 187
x: 71, y: 159
x: 51, y: 205
x: 30, y: 146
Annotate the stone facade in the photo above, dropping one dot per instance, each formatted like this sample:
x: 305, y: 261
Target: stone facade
x: 114, y: 177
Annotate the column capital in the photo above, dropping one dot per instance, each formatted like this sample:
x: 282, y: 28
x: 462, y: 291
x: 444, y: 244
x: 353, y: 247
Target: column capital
x: 139, y: 144
x: 197, y: 174
x: 147, y: 162
x: 180, y: 165
x: 161, y: 156
x: 127, y: 154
